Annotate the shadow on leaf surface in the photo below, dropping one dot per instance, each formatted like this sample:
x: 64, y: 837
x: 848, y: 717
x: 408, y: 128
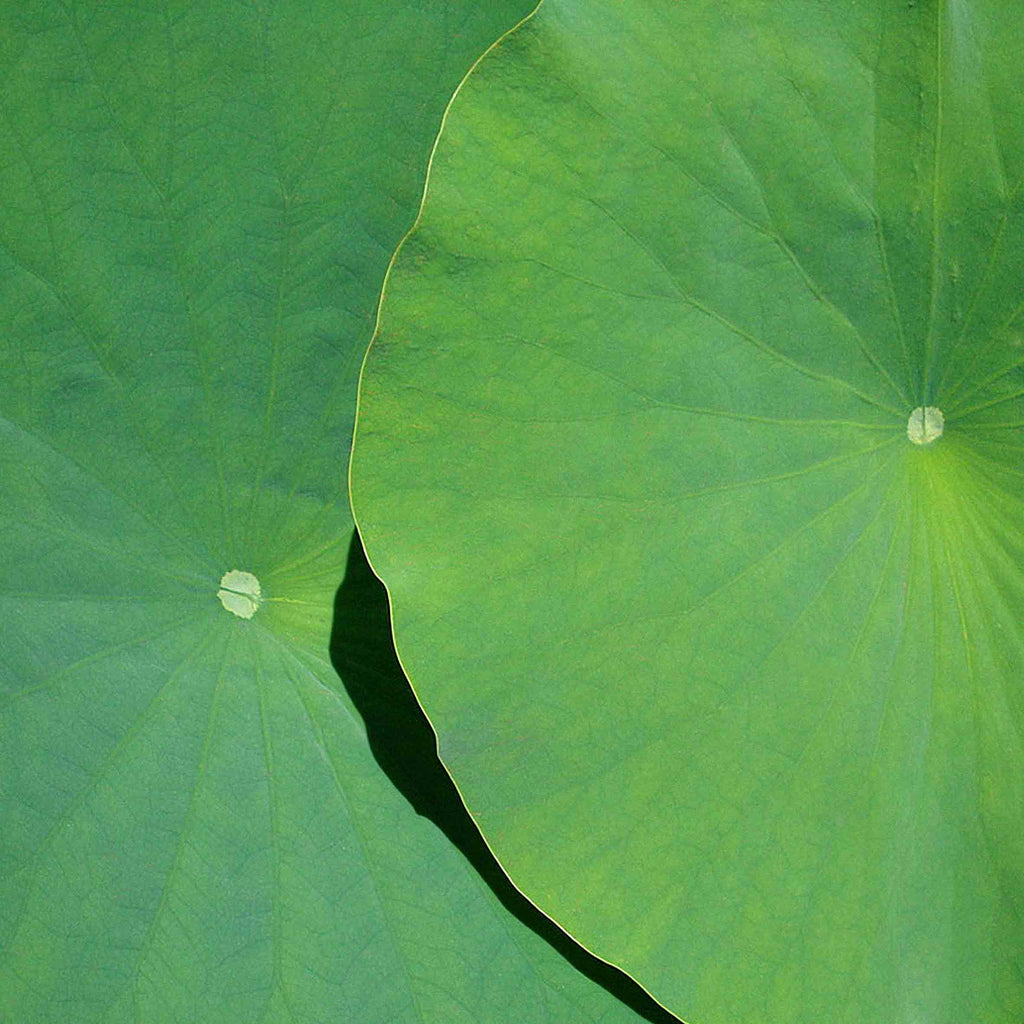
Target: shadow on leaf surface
x: 404, y: 745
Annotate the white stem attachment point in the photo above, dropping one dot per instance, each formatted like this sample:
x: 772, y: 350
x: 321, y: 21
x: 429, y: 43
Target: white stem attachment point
x: 925, y: 424
x: 240, y: 593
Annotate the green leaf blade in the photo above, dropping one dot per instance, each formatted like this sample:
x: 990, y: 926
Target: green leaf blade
x: 197, y: 209
x: 722, y: 662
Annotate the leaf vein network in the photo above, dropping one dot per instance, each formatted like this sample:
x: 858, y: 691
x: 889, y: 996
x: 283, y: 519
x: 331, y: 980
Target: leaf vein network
x: 109, y: 760
x: 174, y: 869
x: 811, y: 284
x: 738, y: 331
x: 122, y: 498
x: 356, y: 830
x: 582, y: 637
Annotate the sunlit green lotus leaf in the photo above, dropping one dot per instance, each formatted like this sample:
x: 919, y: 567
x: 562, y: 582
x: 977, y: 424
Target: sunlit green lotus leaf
x: 690, y: 450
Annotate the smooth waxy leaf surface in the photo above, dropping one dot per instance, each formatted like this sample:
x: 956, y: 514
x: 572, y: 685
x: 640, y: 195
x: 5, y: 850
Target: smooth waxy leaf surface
x: 197, y: 205
x: 690, y: 452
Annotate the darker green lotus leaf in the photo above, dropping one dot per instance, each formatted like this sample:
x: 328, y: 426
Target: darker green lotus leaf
x: 197, y: 207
